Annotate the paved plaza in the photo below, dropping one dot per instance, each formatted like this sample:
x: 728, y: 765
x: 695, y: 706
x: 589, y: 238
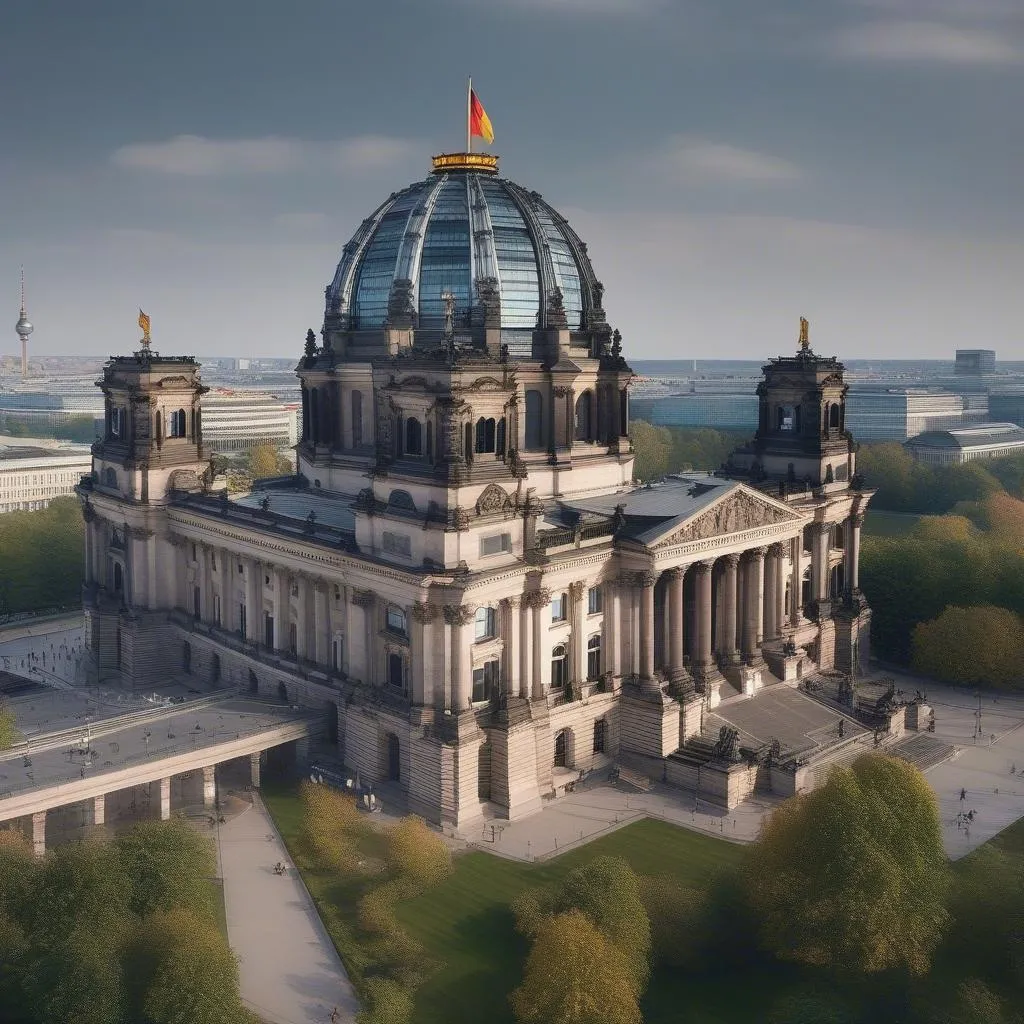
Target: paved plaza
x: 290, y: 971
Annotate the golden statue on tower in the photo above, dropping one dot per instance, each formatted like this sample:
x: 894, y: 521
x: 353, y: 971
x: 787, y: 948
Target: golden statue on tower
x: 144, y: 324
x: 805, y: 334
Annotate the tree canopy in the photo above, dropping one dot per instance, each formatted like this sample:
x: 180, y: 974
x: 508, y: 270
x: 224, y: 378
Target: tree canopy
x: 263, y: 460
x: 575, y: 975
x: 982, y: 646
x: 853, y: 875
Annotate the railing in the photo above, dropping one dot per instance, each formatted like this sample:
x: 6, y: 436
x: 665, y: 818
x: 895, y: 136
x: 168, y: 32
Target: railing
x: 576, y: 535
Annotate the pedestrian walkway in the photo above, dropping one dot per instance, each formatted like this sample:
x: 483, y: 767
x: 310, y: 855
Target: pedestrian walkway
x: 289, y: 969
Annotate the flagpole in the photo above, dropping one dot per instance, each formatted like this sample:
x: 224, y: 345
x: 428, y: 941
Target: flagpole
x: 469, y: 116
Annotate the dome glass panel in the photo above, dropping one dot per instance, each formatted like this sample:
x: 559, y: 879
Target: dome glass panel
x: 445, y: 262
x: 517, y: 259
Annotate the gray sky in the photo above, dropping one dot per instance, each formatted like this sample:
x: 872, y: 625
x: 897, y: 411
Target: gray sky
x: 732, y: 164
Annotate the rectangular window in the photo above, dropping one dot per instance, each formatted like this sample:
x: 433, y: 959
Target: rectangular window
x: 495, y: 545
x: 558, y: 608
x: 336, y: 654
x: 485, y: 681
x: 397, y: 544
x: 599, y: 736
x: 594, y: 600
x: 396, y: 620
x: 484, y: 624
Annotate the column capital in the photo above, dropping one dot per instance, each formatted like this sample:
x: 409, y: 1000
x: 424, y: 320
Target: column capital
x: 576, y: 590
x: 776, y: 550
x: 424, y: 612
x: 674, y: 572
x: 536, y: 598
x: 858, y: 519
x: 755, y: 554
x: 644, y: 579
x: 512, y: 602
x: 823, y: 528
x: 458, y: 614
x: 704, y: 567
x: 364, y: 598
x: 732, y: 559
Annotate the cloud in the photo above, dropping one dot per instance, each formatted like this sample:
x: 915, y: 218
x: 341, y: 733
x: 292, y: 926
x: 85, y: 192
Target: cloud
x: 703, y: 161
x: 926, y: 41
x: 196, y: 156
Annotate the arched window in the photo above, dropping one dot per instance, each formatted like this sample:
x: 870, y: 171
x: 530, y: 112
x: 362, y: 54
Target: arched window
x: 559, y: 668
x: 562, y: 749
x: 584, y: 417
x: 396, y: 620
x: 594, y: 657
x: 178, y: 423
x: 833, y: 417
x: 534, y: 441
x: 485, y: 435
x: 500, y: 439
x: 159, y: 426
x: 484, y: 624
x: 357, y: 418
x: 396, y: 671
x: 600, y: 729
x: 413, y: 436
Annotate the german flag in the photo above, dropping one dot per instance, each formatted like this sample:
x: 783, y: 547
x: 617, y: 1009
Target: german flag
x: 479, y: 122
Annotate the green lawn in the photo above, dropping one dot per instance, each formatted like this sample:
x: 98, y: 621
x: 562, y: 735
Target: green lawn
x: 889, y: 524
x: 466, y: 922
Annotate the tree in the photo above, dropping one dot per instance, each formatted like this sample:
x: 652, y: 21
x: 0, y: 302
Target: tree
x: 812, y: 1007
x: 976, y: 1003
x: 575, y: 975
x: 263, y: 460
x: 185, y: 971
x: 973, y: 646
x: 8, y: 726
x: 166, y: 865
x: 331, y: 827
x: 417, y: 855
x: 853, y: 876
x: 675, y: 914
x: 652, y: 447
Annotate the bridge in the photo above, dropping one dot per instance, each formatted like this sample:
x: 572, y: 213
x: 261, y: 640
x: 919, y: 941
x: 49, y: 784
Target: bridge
x: 168, y: 752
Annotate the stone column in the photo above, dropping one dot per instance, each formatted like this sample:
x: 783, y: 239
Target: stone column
x: 853, y: 553
x: 165, y: 798
x: 39, y: 833
x: 209, y: 785
x: 771, y: 568
x: 703, y: 595
x: 254, y: 769
x: 281, y: 613
x: 645, y: 581
x: 540, y: 601
x: 254, y: 601
x: 730, y: 653
x: 367, y: 600
x: 510, y: 670
x: 226, y: 565
x: 797, y: 580
x: 753, y: 611
x: 578, y: 639
x: 99, y: 809
x: 526, y: 646
x: 302, y: 647
x: 321, y: 649
x: 458, y: 616
x: 612, y: 640
x: 819, y: 562
x: 675, y: 622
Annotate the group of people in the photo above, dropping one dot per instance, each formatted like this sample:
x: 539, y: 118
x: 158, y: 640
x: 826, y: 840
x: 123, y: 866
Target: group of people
x: 280, y: 868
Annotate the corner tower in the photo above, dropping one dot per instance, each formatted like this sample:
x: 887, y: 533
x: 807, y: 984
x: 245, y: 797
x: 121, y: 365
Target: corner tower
x: 151, y: 447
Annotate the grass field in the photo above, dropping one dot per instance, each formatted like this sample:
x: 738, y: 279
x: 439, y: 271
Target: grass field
x: 889, y: 524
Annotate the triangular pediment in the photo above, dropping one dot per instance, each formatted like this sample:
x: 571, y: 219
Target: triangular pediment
x: 737, y: 511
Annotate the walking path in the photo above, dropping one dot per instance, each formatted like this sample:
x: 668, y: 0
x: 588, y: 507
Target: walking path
x: 290, y: 971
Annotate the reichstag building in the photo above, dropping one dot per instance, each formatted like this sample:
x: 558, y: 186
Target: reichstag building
x: 462, y: 574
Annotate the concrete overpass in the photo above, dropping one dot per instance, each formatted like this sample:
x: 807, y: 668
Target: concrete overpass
x: 81, y: 765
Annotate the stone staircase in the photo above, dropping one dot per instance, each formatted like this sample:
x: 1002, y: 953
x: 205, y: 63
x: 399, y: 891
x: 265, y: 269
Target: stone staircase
x: 839, y: 757
x: 923, y: 752
x: 633, y: 778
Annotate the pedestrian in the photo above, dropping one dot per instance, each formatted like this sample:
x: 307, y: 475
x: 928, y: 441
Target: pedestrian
x: 963, y: 795
x: 335, y: 1016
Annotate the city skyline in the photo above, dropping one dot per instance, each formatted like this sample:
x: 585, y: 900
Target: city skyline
x: 731, y: 169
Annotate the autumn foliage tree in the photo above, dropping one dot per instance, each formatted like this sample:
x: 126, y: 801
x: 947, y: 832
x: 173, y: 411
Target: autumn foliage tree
x: 975, y: 646
x: 853, y: 875
x: 576, y: 975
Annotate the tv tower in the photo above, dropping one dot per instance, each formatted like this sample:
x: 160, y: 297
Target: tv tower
x: 24, y: 328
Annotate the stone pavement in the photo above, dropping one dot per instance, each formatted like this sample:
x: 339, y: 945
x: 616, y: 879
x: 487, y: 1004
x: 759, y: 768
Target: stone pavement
x: 290, y: 972
x: 48, y: 651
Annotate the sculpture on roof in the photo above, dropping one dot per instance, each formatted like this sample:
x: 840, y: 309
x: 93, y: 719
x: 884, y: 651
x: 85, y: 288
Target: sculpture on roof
x: 805, y: 334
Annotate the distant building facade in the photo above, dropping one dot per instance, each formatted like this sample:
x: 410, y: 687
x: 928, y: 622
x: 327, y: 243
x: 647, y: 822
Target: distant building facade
x: 965, y: 444
x: 235, y: 421
x: 974, y: 362
x: 31, y: 477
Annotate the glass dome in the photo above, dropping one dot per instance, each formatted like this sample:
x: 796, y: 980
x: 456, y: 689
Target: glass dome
x: 469, y: 233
